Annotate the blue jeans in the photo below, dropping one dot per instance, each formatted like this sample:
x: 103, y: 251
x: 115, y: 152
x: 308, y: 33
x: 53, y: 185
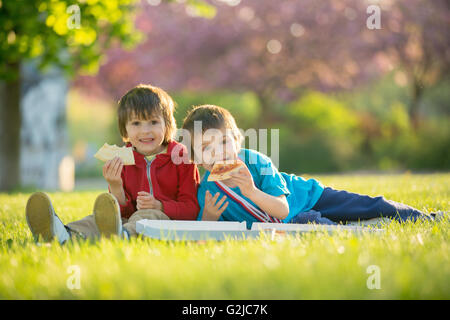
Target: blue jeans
x: 336, y: 206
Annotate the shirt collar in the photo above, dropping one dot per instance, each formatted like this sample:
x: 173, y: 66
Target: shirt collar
x: 164, y: 155
x: 151, y: 157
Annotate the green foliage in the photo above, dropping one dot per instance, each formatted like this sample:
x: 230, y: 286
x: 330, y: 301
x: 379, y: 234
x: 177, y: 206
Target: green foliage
x: 389, y: 139
x: 413, y: 258
x: 318, y: 132
x: 436, y: 99
x: 198, y: 8
x: 428, y: 148
x: 318, y: 112
x: 321, y: 135
x: 376, y: 97
x: 71, y: 34
x: 243, y: 106
x: 91, y: 123
x: 201, y: 8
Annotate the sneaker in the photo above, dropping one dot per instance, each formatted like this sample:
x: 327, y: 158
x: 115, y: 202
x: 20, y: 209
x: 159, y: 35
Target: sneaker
x: 439, y: 215
x: 107, y: 216
x: 42, y: 220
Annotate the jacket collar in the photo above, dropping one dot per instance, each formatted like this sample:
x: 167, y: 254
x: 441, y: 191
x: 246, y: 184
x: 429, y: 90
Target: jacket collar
x: 160, y: 158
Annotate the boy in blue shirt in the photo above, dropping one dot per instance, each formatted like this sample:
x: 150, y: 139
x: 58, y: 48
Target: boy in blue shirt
x: 260, y: 193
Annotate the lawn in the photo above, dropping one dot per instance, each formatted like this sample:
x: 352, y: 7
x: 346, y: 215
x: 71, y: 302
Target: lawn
x: 409, y: 261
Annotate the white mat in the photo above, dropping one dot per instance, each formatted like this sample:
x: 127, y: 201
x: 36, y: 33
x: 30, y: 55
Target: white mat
x: 221, y: 230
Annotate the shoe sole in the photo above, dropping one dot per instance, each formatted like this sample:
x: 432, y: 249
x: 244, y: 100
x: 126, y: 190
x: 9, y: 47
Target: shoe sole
x: 39, y: 214
x: 107, y: 215
x: 439, y: 216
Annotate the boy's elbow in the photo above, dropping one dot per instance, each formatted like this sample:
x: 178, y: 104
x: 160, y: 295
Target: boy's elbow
x: 284, y: 213
x: 194, y: 211
x: 284, y: 209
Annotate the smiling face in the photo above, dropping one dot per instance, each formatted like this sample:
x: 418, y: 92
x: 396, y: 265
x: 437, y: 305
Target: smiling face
x: 145, y: 115
x: 215, y: 145
x: 146, y: 135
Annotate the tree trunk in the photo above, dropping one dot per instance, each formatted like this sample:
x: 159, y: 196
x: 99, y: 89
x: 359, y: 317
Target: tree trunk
x: 417, y: 92
x: 267, y: 115
x: 10, y: 124
x: 33, y: 130
x: 44, y: 129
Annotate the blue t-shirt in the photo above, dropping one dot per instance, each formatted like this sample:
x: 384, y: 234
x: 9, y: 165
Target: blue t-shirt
x: 301, y: 194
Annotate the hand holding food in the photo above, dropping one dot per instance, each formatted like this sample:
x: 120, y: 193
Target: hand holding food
x: 223, y: 170
x: 108, y: 152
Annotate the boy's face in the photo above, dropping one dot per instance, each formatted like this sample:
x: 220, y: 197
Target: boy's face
x: 215, y: 145
x: 146, y: 135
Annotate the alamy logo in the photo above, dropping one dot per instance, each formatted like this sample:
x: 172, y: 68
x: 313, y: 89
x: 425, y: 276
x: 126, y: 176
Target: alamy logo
x: 194, y: 142
x: 74, y: 20
x: 374, y: 20
x: 74, y: 280
x: 374, y: 280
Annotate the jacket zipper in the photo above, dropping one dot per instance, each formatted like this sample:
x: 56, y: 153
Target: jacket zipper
x: 149, y: 177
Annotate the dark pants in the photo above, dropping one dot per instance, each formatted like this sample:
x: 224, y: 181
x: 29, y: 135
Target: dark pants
x: 336, y: 206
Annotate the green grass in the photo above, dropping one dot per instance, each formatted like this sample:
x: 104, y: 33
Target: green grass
x: 413, y: 259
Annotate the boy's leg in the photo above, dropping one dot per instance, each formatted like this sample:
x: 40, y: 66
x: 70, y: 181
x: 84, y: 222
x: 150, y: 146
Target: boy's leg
x: 107, y: 215
x: 105, y: 220
x: 42, y: 220
x: 84, y: 228
x: 311, y: 216
x: 150, y: 214
x: 341, y: 205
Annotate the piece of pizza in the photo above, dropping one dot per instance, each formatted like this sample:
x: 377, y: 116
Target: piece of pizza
x: 222, y: 170
x: 108, y: 152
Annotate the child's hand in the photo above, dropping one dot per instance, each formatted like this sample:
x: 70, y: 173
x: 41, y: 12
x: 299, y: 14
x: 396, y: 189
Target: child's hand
x: 244, y: 180
x: 112, y: 171
x: 212, y: 210
x: 146, y: 201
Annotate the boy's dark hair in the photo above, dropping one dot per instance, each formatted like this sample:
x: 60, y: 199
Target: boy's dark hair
x: 211, y: 117
x: 145, y: 101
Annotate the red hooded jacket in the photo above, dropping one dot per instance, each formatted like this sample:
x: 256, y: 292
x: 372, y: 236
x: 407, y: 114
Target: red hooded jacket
x: 175, y: 185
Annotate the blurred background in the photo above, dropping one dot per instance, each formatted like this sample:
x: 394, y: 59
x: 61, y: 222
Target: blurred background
x: 352, y: 85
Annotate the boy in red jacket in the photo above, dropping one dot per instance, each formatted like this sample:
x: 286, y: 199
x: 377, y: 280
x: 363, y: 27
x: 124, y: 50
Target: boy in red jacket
x: 156, y: 187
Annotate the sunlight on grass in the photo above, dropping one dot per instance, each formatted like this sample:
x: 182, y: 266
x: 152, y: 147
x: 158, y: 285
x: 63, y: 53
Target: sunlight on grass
x: 413, y: 259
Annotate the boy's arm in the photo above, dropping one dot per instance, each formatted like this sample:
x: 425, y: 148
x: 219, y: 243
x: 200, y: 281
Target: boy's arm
x: 119, y: 193
x: 185, y: 207
x: 276, y: 206
x: 126, y: 205
x: 213, y: 207
x: 113, y: 173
